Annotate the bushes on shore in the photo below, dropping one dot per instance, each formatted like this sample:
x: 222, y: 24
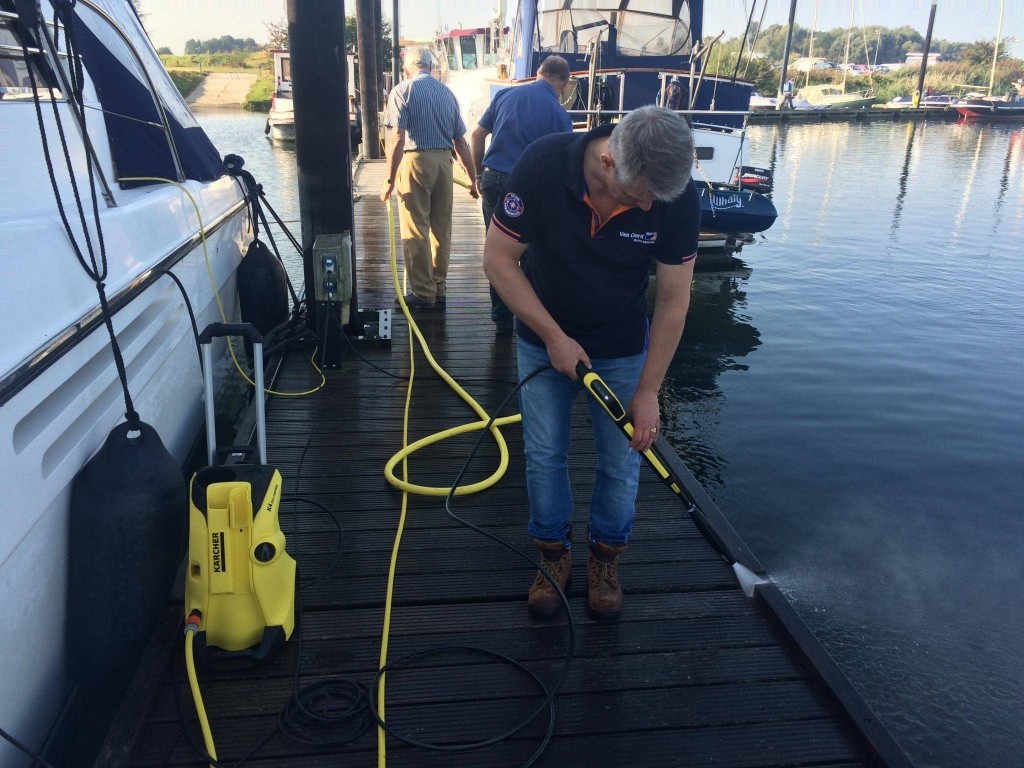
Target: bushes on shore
x: 186, y: 82
x: 259, y: 96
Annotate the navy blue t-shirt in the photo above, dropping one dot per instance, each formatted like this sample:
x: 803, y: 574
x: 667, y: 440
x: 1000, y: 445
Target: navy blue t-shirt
x: 590, y: 275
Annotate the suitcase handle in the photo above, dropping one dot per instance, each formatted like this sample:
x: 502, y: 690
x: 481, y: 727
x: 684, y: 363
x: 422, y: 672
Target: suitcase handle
x: 216, y: 330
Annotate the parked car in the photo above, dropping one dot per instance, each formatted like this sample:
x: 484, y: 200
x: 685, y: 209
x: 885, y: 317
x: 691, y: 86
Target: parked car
x: 805, y: 64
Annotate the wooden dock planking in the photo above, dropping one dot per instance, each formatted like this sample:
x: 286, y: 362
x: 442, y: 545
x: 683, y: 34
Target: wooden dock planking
x: 694, y: 673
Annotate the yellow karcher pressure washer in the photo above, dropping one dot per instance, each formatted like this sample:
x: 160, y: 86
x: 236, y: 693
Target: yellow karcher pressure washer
x: 240, y: 581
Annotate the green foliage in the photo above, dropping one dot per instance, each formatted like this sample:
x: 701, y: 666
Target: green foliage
x: 259, y: 96
x: 220, y: 62
x: 979, y: 53
x: 870, y: 45
x: 385, y: 32
x: 277, y: 33
x: 222, y: 44
x: 163, y: 50
x: 966, y: 66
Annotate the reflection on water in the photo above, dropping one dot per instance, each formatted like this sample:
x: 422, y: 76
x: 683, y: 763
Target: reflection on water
x: 718, y: 335
x: 870, y: 452
x: 904, y: 174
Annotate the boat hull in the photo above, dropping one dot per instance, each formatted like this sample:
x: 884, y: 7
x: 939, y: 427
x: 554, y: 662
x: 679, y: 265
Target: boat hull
x: 734, y: 211
x: 990, y: 109
x: 282, y: 131
x: 59, y: 418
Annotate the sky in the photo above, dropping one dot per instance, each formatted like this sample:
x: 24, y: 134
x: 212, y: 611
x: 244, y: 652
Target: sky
x: 172, y: 22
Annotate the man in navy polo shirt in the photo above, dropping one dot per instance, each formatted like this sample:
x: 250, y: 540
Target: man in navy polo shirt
x: 515, y: 118
x: 582, y: 219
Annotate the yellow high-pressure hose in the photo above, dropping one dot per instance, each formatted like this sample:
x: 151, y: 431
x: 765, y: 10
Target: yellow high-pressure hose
x: 216, y: 293
x: 403, y: 484
x: 193, y: 682
x: 414, y: 330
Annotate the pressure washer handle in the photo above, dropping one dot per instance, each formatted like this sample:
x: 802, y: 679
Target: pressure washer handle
x: 653, y: 455
x: 661, y: 457
x: 217, y: 330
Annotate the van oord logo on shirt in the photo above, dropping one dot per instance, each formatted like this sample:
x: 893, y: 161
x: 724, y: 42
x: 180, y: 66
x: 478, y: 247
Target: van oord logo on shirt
x: 514, y: 205
x: 644, y: 238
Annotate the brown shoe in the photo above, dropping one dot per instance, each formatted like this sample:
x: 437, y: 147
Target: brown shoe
x: 544, y: 599
x: 604, y: 595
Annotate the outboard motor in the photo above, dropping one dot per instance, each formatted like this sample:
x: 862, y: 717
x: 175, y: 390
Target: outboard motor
x: 754, y: 179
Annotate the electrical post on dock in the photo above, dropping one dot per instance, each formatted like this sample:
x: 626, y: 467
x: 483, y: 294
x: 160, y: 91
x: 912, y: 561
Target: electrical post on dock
x: 323, y: 156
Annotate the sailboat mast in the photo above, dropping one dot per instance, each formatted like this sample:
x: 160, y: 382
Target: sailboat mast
x: 810, y: 43
x: 849, y: 34
x: 995, y: 53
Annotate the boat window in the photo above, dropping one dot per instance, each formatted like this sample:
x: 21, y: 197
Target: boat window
x: 571, y: 31
x: 646, y: 29
x: 15, y: 83
x: 468, y: 48
x: 644, y: 35
x: 449, y: 50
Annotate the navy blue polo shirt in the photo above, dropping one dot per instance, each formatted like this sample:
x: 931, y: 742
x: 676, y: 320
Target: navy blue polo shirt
x: 518, y: 116
x: 590, y: 275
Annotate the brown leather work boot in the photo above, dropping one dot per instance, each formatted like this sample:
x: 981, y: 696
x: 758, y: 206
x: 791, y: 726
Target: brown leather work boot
x: 604, y: 595
x: 555, y: 558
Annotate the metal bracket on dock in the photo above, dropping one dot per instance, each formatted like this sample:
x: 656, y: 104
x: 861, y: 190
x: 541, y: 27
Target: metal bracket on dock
x: 374, y: 328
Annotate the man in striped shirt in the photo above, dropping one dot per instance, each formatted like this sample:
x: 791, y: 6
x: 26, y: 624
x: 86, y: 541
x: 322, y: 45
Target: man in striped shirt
x: 424, y: 126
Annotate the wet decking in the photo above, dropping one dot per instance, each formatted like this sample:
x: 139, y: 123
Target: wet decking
x: 694, y: 673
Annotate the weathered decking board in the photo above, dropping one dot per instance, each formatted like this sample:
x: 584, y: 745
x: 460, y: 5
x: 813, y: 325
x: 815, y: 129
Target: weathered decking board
x: 694, y: 673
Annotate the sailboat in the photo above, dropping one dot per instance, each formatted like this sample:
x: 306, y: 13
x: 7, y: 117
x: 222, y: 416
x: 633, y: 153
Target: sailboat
x: 991, y: 108
x: 831, y: 95
x: 624, y: 54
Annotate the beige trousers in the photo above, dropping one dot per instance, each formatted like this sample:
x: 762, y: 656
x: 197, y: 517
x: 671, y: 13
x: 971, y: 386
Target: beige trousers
x: 424, y: 187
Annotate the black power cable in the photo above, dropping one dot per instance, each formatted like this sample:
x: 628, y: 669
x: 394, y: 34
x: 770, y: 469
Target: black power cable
x: 549, y: 693
x: 188, y: 306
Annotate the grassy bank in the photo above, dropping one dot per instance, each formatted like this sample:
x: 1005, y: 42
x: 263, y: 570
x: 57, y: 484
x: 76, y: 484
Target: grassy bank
x: 185, y: 81
x: 188, y: 71
x: 258, y: 98
x: 260, y: 62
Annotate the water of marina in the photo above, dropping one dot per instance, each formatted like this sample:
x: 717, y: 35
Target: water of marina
x: 850, y: 393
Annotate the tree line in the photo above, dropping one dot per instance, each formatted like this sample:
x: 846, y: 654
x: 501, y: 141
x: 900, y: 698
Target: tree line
x: 222, y: 44
x: 867, y: 45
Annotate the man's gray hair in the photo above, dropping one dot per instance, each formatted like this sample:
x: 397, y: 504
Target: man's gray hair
x: 418, y: 56
x: 653, y: 145
x: 556, y: 67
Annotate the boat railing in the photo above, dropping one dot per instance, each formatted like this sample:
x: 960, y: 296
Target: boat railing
x: 686, y: 112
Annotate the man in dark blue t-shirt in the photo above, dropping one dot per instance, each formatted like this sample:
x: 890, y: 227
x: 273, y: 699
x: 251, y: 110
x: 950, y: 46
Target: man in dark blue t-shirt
x: 573, y: 238
x: 515, y: 118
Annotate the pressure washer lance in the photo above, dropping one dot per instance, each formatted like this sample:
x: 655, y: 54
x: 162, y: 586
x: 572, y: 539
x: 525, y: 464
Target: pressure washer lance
x: 663, y: 459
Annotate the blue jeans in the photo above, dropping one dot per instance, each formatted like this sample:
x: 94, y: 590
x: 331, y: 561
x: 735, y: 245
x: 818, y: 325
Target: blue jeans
x: 546, y: 403
x: 492, y: 184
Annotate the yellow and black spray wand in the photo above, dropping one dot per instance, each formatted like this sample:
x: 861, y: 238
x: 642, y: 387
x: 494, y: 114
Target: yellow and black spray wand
x: 666, y: 463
